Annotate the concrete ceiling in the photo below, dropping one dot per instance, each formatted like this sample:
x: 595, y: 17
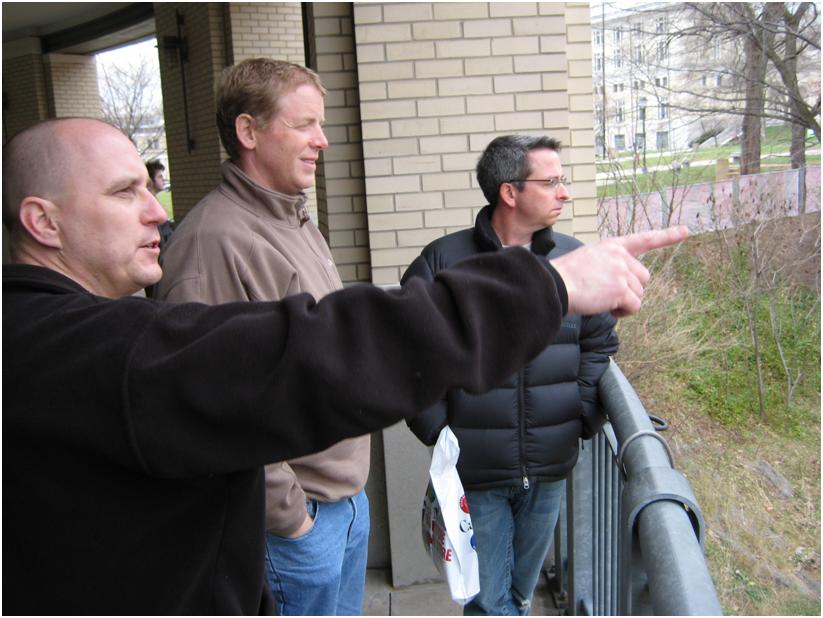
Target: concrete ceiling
x: 78, y: 27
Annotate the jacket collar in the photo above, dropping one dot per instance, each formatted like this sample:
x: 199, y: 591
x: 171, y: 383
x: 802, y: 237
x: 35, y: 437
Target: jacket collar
x: 289, y: 209
x: 486, y: 238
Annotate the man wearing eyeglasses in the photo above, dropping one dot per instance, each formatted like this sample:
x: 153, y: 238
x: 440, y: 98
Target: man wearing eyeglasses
x: 520, y: 441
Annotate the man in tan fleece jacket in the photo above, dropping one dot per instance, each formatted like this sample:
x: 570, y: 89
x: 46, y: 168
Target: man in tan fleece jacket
x: 251, y: 239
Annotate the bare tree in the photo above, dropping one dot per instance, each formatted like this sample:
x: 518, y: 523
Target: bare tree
x: 127, y: 92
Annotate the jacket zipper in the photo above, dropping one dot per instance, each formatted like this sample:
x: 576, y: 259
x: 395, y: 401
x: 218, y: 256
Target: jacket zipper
x: 521, y: 401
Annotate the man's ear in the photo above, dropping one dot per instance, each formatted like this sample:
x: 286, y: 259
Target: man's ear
x: 244, y: 127
x: 39, y: 217
x: 505, y: 195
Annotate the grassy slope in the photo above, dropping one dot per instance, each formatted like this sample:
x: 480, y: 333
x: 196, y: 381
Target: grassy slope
x: 689, y: 355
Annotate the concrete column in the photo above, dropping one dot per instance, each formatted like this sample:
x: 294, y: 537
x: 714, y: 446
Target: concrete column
x: 25, y: 99
x: 72, y: 86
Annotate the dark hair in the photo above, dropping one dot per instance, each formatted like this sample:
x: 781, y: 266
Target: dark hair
x: 154, y: 166
x: 254, y: 87
x: 506, y: 159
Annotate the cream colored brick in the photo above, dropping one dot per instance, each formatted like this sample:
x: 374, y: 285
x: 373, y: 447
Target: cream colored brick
x: 414, y: 126
x: 326, y: 27
x: 344, y: 186
x: 580, y: 85
x: 412, y: 89
x: 395, y: 221
x: 579, y: 33
x: 582, y: 173
x: 341, y: 115
x: 438, y: 68
x: 519, y: 121
x: 376, y: 130
x: 502, y: 65
x: 584, y: 207
x: 555, y: 81
x: 442, y: 106
x: 467, y: 124
x: 383, y: 240
x: 384, y: 71
x: 463, y: 48
x: 337, y: 169
x: 380, y: 203
x: 385, y: 276
x: 461, y: 161
x: 541, y: 101
x: 539, y: 62
x: 582, y: 138
x: 400, y: 257
x: 460, y: 10
x: 378, y: 167
x: 487, y: 28
x: 345, y: 221
x: 452, y: 181
x: 580, y: 120
x: 329, y: 62
x: 367, y: 13
x: 350, y: 255
x: 333, y: 45
x: 552, y: 8
x: 436, y: 30
x: 539, y: 25
x: 493, y: 103
x: 387, y: 109
x: 431, y: 145
x: 373, y: 91
x: 392, y: 184
x: 347, y: 272
x: 408, y: 12
x: 512, y: 9
x: 580, y: 68
x: 417, y: 238
x: 418, y: 201
x: 390, y: 148
x: 515, y: 45
x: 579, y: 52
x: 371, y: 53
x: 578, y: 14
x: 582, y: 102
x: 517, y: 83
x: 382, y: 33
x: 343, y: 238
x: 416, y: 165
x: 410, y: 51
x: 448, y: 216
x: 453, y: 86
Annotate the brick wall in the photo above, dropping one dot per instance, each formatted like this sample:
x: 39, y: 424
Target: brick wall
x: 437, y: 82
x: 72, y: 86
x: 25, y: 101
x: 341, y: 180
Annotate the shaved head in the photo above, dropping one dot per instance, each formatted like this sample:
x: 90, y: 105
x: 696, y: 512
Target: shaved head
x: 38, y: 162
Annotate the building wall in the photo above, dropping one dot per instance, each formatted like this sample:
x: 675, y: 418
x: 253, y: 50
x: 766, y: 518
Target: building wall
x: 25, y: 100
x: 438, y: 81
x: 72, y: 86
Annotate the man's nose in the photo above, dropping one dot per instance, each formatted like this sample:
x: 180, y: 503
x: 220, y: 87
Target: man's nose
x: 154, y: 213
x: 319, y: 140
x: 563, y: 193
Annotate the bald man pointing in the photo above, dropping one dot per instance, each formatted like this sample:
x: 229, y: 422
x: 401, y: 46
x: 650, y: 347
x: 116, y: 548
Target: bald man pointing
x: 133, y: 439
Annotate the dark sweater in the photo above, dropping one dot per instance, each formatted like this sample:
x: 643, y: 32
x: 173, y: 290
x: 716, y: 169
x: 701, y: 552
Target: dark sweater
x: 529, y: 427
x: 134, y: 434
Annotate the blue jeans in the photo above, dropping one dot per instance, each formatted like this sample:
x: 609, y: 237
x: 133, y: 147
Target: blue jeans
x: 323, y: 572
x: 513, y: 528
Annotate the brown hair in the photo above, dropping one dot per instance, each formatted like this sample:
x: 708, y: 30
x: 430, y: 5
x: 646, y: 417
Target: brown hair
x: 254, y: 87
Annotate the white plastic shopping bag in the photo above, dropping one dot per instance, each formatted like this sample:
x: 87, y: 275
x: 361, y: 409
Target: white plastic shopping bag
x: 447, y: 527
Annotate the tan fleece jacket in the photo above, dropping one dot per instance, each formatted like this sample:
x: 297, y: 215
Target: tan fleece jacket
x: 243, y: 242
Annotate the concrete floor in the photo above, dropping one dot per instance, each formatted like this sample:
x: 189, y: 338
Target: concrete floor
x: 382, y: 599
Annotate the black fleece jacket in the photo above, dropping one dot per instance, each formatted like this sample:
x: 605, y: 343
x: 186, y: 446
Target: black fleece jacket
x: 135, y: 432
x: 526, y: 430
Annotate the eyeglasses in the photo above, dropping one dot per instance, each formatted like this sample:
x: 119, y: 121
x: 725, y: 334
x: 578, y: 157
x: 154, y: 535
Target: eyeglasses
x: 550, y: 183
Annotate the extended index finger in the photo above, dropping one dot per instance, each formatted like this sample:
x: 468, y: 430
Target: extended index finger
x: 646, y: 241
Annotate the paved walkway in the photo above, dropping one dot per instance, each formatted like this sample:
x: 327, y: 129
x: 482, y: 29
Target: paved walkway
x: 382, y: 599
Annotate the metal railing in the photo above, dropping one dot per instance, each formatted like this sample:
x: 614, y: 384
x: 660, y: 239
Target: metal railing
x: 630, y: 540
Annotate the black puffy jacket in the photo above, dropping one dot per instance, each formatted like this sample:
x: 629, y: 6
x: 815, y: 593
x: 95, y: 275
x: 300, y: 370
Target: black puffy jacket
x: 526, y: 430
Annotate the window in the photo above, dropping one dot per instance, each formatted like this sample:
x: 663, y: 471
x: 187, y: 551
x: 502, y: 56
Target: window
x: 662, y: 140
x: 620, y: 142
x: 705, y: 80
x: 660, y: 24
x: 641, y: 110
x: 719, y: 80
x: 598, y: 62
x: 618, y: 58
x: 662, y: 51
x: 663, y: 109
x: 639, y: 141
x: 618, y: 34
x: 637, y: 29
x: 662, y: 82
x: 621, y: 112
x: 638, y: 54
x: 598, y: 37
x: 619, y: 87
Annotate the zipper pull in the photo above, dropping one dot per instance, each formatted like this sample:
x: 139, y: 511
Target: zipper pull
x: 525, y: 482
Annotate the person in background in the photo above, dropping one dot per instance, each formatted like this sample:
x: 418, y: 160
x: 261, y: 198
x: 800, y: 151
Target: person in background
x: 518, y: 442
x: 253, y: 240
x: 157, y: 183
